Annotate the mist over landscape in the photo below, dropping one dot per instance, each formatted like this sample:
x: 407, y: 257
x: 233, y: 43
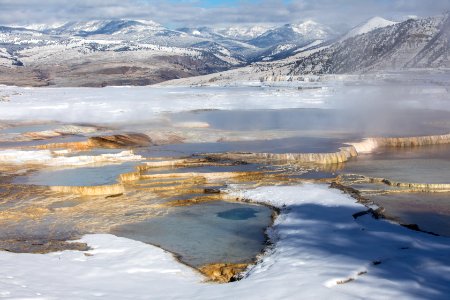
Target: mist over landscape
x: 257, y: 149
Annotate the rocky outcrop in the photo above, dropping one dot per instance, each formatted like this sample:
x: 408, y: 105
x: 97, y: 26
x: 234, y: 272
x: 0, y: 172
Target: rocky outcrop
x: 213, y: 176
x: 55, y: 158
x: 120, y: 140
x: 183, y: 162
x: 98, y: 190
x: 369, y: 144
x: 222, y: 273
x: 347, y: 180
x: 62, y: 131
x: 414, y: 187
x: 116, y: 141
x: 343, y: 155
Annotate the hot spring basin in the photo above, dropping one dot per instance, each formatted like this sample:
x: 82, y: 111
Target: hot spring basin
x: 83, y: 176
x: 213, y: 232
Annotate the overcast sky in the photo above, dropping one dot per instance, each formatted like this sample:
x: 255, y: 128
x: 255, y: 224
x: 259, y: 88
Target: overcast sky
x: 176, y: 13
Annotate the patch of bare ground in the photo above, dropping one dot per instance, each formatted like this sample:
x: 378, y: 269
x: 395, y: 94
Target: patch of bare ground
x: 40, y: 246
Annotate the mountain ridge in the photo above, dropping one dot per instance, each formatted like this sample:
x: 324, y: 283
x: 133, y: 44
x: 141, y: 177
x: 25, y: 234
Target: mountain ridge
x: 136, y: 52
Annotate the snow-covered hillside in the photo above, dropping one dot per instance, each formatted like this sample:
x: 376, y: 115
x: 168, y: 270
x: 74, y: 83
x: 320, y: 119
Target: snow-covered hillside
x: 5, y: 58
x: 105, y: 52
x: 422, y: 43
x: 118, y: 52
x: 372, y: 24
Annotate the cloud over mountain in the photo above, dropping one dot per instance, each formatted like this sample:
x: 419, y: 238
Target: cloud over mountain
x: 193, y: 13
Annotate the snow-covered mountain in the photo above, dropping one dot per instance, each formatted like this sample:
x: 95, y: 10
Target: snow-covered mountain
x: 421, y: 43
x: 109, y: 27
x: 143, y: 52
x: 298, y: 34
x: 239, y: 33
x: 243, y: 33
x: 102, y: 52
x: 267, y: 37
x: 201, y: 32
x: 106, y: 52
x: 124, y: 30
x: 236, y: 39
x: 414, y: 44
x: 371, y: 24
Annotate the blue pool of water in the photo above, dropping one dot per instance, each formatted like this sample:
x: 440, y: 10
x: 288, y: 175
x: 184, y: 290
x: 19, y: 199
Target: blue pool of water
x: 214, y: 232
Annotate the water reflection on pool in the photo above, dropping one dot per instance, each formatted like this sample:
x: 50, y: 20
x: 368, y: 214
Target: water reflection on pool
x: 285, y: 145
x: 431, y: 211
x: 427, y: 164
